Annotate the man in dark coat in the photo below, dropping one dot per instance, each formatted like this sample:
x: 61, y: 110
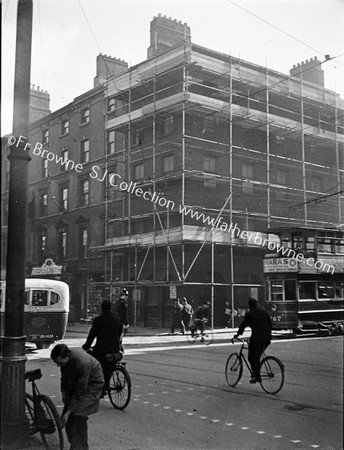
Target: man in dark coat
x: 261, y: 325
x: 82, y: 384
x: 107, y: 329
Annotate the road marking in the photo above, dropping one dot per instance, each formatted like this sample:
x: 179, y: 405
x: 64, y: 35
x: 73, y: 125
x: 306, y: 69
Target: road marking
x: 229, y: 424
x: 190, y: 414
x: 277, y: 436
x: 178, y: 410
x: 166, y: 407
x: 215, y: 420
x: 244, y: 428
x: 260, y: 432
x: 296, y: 441
x: 203, y: 417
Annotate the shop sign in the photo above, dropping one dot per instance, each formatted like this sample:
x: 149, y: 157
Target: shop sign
x: 280, y: 265
x: 173, y: 292
x: 48, y: 268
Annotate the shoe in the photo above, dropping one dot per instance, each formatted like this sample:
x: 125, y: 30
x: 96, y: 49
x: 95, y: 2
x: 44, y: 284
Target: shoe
x: 253, y: 380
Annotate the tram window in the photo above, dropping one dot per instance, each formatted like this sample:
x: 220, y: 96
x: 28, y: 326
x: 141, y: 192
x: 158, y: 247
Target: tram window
x: 39, y: 298
x: 339, y: 290
x: 27, y: 298
x: 297, y: 241
x: 325, y: 245
x: 325, y: 290
x: 54, y: 298
x: 306, y: 291
x: 276, y: 291
x: 310, y: 244
x: 340, y: 246
x: 289, y: 289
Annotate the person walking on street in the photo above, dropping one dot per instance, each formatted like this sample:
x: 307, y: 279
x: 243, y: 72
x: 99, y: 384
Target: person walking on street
x: 107, y: 330
x: 121, y: 310
x: 261, y: 325
x: 187, y: 312
x: 177, y: 318
x: 82, y: 384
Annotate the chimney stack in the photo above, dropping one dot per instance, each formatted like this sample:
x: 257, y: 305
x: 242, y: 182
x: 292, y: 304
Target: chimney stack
x: 309, y: 71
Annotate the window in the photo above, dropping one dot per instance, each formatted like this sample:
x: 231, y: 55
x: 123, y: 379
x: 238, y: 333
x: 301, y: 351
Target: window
x: 64, y: 155
x: 45, y: 171
x: 42, y: 242
x: 209, y: 166
x: 276, y: 290
x: 281, y: 177
x: 63, y: 199
x: 85, y: 116
x: 62, y: 243
x: 306, y: 291
x: 325, y: 245
x: 116, y: 141
x: 247, y: 174
x: 85, y: 192
x: 85, y: 151
x: 39, y: 298
x: 168, y: 125
x: 138, y: 137
x: 54, y: 298
x: 83, y: 243
x: 64, y: 127
x: 45, y: 136
x: 167, y: 164
x: 139, y: 172
x: 310, y: 244
x: 297, y: 241
x: 325, y: 290
x: 111, y: 104
x: 43, y: 204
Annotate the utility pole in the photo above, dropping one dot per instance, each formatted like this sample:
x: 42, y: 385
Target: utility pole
x: 14, y: 423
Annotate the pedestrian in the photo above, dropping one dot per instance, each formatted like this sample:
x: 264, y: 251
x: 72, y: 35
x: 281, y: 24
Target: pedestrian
x: 187, y: 312
x: 261, y: 325
x: 121, y: 310
x: 177, y: 317
x: 82, y: 384
x: 228, y: 314
x: 201, y: 317
x: 107, y: 330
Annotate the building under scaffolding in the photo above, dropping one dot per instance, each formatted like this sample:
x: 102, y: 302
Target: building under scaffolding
x: 177, y: 167
x: 201, y: 146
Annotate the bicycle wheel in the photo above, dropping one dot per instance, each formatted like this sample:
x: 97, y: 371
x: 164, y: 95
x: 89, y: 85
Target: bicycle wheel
x: 234, y: 368
x: 47, y: 421
x: 119, y: 388
x: 272, y: 374
x: 30, y: 414
x: 207, y: 336
x: 194, y: 336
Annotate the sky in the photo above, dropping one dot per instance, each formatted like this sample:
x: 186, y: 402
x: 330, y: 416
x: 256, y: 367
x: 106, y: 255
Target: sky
x: 69, y: 34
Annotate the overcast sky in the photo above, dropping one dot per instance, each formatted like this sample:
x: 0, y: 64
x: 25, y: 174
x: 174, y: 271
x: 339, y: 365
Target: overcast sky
x: 69, y: 34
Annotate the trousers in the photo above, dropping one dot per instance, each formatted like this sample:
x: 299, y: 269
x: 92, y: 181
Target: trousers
x: 76, y: 430
x: 255, y: 350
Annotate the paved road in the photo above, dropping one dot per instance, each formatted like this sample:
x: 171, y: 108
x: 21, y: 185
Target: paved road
x: 180, y: 399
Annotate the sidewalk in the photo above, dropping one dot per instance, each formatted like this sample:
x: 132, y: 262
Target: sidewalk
x: 83, y: 328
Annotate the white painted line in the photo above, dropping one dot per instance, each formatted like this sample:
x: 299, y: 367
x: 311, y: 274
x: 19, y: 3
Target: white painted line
x: 190, y: 414
x: 156, y: 404
x: 151, y: 393
x: 260, y: 432
x: 178, y: 410
x: 277, y: 436
x: 229, y: 424
x: 315, y: 446
x: 244, y: 428
x: 167, y: 407
x: 164, y: 392
x: 215, y: 420
x: 146, y: 402
x: 295, y: 441
x: 203, y: 417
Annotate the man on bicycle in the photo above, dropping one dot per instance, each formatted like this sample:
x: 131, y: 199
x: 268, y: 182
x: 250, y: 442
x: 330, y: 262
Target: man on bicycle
x: 107, y: 329
x: 261, y: 325
x: 201, y: 317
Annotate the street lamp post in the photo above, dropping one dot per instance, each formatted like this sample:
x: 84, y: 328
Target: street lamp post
x: 14, y: 423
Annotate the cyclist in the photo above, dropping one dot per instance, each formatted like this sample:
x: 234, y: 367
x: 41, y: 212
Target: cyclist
x: 200, y: 317
x: 107, y: 329
x: 261, y: 325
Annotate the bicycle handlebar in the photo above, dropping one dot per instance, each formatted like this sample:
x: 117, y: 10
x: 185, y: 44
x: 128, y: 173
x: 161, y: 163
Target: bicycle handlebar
x: 238, y: 339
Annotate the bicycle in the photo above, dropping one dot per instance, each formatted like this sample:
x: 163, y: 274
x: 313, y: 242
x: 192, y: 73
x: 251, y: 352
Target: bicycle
x: 119, y: 388
x: 271, y: 370
x: 42, y: 414
x: 196, y: 334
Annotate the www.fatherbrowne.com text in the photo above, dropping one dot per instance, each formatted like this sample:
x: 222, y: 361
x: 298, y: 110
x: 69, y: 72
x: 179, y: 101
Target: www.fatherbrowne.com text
x: 115, y: 180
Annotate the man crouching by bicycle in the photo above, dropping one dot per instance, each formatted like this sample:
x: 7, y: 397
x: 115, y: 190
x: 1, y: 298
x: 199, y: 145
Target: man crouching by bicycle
x: 107, y: 329
x: 200, y: 317
x: 82, y: 384
x: 261, y: 325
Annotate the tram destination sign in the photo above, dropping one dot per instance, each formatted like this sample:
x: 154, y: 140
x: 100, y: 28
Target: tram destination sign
x: 280, y: 265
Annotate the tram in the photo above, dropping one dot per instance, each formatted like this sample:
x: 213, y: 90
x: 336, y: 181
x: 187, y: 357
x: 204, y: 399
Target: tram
x: 304, y: 275
x: 46, y: 310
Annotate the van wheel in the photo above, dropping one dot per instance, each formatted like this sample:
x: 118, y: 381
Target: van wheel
x: 42, y: 345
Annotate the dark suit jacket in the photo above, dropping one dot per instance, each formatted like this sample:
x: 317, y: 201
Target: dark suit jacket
x: 107, y: 328
x: 260, y: 323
